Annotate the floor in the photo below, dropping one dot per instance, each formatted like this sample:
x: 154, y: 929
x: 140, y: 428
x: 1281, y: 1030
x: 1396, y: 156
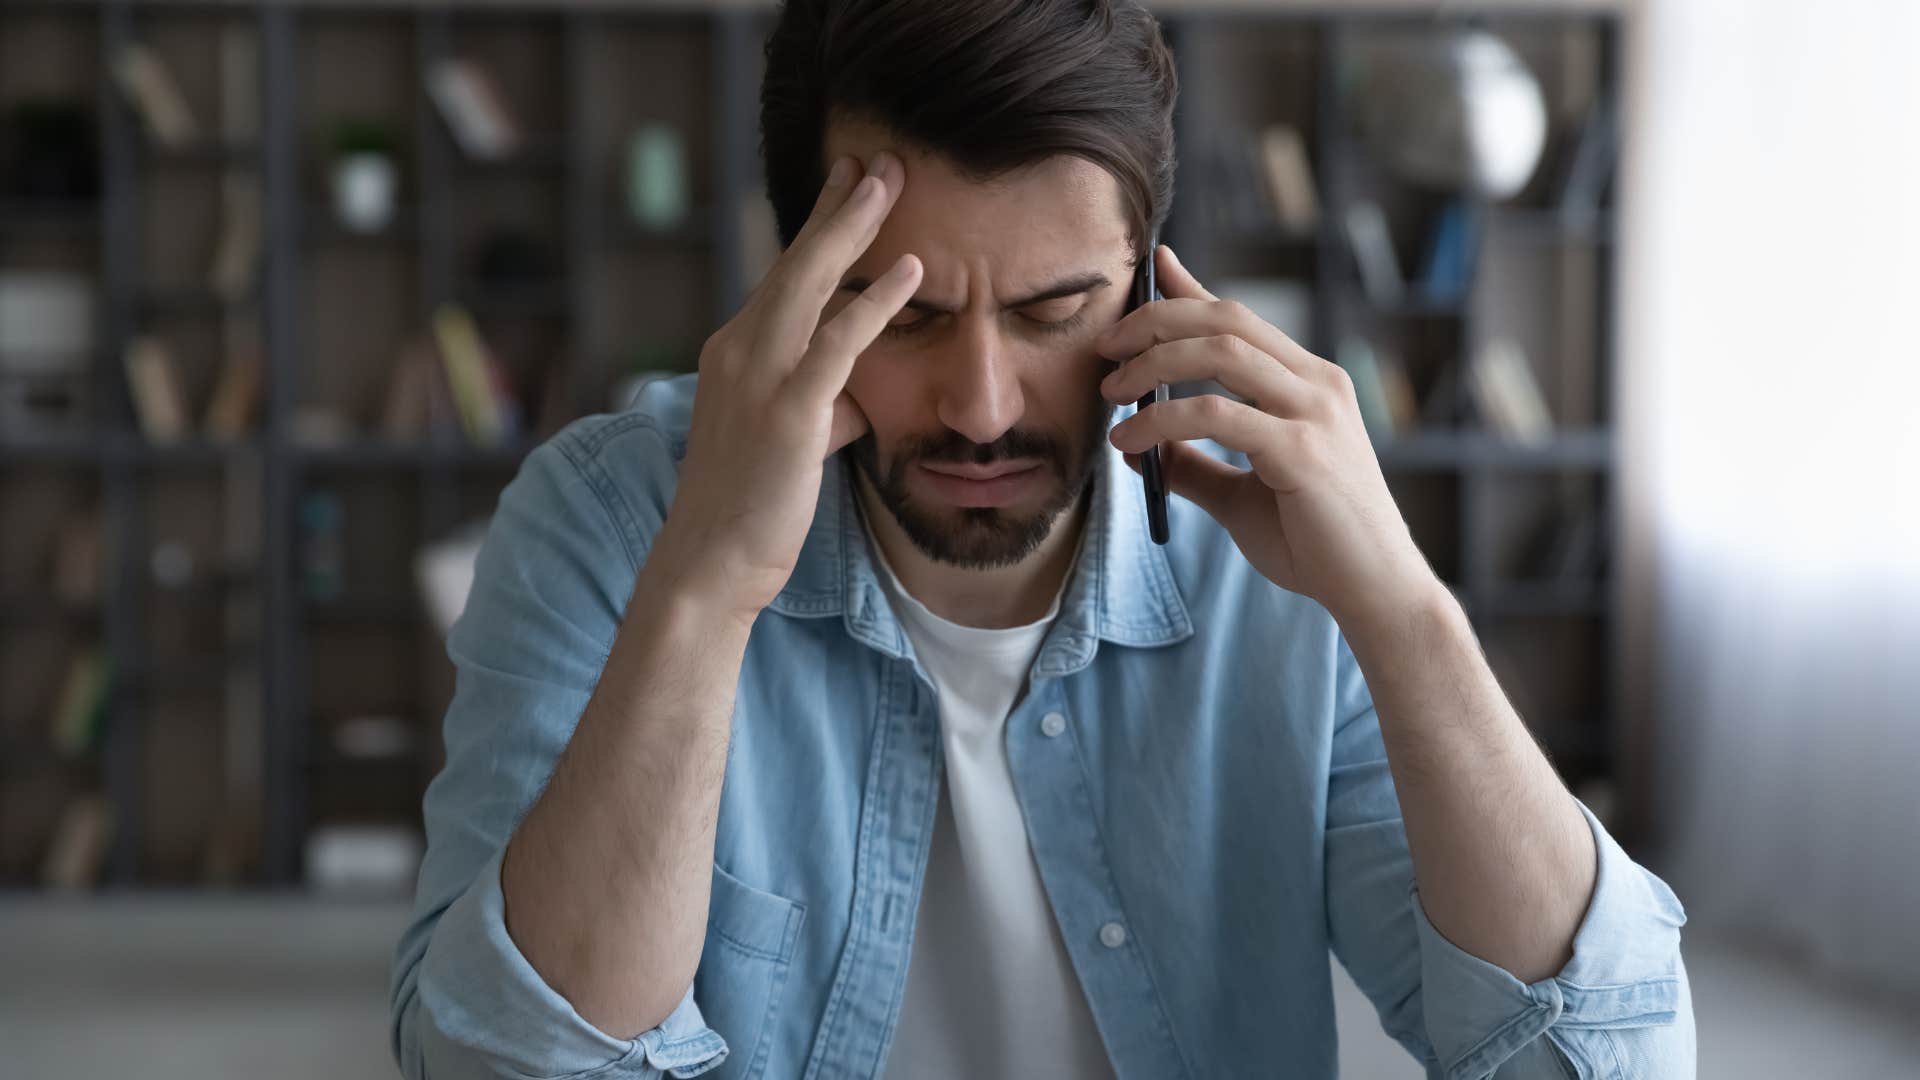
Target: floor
x: 194, y: 988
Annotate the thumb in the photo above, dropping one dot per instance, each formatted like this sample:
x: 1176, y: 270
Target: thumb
x: 1174, y: 279
x: 1198, y: 477
x: 849, y: 423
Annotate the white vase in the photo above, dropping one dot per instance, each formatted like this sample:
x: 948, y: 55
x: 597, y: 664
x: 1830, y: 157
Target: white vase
x: 364, y: 190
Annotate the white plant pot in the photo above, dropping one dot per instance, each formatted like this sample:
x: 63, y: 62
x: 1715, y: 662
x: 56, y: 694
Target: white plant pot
x: 364, y: 190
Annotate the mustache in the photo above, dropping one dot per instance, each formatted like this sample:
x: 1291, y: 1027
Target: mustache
x: 952, y: 448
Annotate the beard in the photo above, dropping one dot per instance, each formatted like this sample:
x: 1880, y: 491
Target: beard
x: 983, y: 537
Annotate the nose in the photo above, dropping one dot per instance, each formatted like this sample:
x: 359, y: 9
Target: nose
x: 979, y: 390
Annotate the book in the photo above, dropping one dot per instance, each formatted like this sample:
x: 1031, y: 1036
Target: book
x: 78, y: 557
x: 1373, y: 251
x: 239, y: 82
x: 236, y: 255
x: 79, y: 712
x: 78, y: 851
x: 237, y: 394
x: 1397, y: 387
x: 1356, y: 355
x: 153, y: 381
x: 1507, y: 394
x: 155, y: 95
x: 419, y: 403
x: 469, y: 374
x: 1447, y: 271
x: 1289, y: 177
x: 474, y: 109
x: 1589, y: 167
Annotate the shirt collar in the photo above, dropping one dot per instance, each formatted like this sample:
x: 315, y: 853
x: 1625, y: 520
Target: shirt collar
x: 1122, y: 590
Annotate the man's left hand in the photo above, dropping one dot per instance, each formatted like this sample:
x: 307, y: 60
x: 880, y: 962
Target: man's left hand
x: 1314, y: 514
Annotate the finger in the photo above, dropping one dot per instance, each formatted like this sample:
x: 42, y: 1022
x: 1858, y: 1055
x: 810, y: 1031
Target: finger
x: 1200, y: 478
x: 849, y: 423
x: 810, y: 272
x: 846, y: 172
x: 1234, y: 425
x: 1173, y: 277
x: 1184, y: 317
x: 823, y: 370
x: 1236, y: 365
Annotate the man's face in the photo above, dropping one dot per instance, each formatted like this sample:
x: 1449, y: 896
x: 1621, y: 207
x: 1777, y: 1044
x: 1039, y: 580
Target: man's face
x: 990, y: 368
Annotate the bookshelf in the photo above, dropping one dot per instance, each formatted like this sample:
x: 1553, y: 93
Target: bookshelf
x: 219, y: 751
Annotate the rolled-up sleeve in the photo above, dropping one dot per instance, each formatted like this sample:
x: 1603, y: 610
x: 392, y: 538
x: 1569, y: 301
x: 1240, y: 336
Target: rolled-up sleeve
x: 550, y: 589
x: 1621, y: 1007
x: 487, y: 1012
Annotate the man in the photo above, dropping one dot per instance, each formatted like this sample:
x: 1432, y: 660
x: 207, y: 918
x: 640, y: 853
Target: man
x: 831, y: 713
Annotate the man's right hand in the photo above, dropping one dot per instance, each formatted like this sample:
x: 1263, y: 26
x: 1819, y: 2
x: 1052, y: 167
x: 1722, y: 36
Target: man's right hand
x: 771, y: 404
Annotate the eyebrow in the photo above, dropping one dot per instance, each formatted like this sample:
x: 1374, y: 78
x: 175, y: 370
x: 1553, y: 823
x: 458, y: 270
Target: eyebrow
x: 1071, y: 286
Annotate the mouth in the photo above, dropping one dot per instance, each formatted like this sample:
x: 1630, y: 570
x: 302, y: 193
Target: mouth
x: 981, y: 485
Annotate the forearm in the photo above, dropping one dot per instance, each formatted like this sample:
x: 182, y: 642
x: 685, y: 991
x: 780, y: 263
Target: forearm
x: 606, y: 880
x: 1504, y: 860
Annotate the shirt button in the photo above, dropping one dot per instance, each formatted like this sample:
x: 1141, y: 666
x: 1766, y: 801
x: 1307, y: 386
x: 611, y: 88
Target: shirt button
x: 1113, y: 935
x: 1052, y: 724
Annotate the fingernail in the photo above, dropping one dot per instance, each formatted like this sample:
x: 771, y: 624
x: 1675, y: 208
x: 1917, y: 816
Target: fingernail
x: 842, y: 172
x: 882, y: 164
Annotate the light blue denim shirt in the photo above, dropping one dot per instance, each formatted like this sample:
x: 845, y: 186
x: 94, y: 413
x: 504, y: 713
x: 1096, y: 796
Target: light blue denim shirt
x: 1197, y: 758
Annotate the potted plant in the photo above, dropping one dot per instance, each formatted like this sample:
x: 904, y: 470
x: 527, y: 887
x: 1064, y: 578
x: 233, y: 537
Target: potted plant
x: 366, y: 177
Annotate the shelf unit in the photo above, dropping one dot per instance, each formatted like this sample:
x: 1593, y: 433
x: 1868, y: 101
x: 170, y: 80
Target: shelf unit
x: 245, y: 670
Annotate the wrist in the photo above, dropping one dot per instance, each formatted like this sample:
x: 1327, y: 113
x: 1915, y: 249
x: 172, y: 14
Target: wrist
x: 1393, y: 614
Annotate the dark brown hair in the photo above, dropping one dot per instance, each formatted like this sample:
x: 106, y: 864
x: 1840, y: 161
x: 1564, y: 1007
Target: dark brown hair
x: 987, y: 85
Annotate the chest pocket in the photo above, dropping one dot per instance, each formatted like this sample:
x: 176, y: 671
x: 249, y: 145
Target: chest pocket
x: 751, y: 935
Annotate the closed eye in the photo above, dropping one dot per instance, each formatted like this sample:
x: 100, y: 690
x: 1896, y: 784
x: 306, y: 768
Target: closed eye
x: 1042, y: 326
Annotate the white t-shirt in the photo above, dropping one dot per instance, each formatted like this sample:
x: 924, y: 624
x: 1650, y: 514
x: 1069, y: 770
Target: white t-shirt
x: 990, y: 989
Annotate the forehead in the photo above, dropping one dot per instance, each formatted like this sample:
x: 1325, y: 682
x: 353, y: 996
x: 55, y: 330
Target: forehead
x: 1060, y: 213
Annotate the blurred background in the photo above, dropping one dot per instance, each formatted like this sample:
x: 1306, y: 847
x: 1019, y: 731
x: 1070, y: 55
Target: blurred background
x: 288, y: 289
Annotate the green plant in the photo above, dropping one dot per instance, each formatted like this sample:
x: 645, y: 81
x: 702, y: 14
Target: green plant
x: 359, y: 136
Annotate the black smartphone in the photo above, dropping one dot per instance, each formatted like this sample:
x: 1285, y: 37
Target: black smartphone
x: 1145, y: 290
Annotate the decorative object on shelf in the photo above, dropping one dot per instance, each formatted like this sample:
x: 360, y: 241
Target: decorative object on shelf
x: 474, y: 109
x: 155, y: 95
x: 657, y: 183
x: 50, y: 152
x: 153, y: 381
x: 78, y: 850
x: 46, y: 322
x: 172, y: 564
x: 1373, y: 252
x: 1289, y: 174
x: 443, y: 571
x: 80, y: 710
x: 323, y: 545
x: 365, y: 175
x: 1455, y: 109
x: 1447, y: 272
x: 1507, y: 394
x: 362, y: 860
x: 373, y: 737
